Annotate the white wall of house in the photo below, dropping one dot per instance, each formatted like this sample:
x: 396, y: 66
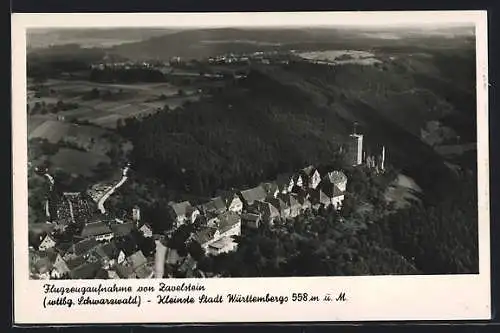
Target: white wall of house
x: 46, y: 243
x: 236, y: 205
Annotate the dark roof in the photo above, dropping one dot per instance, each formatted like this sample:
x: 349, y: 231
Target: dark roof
x: 180, y: 208
x: 278, y: 203
x: 122, y: 229
x: 268, y: 209
x: 227, y: 221
x: 75, y: 262
x: 214, y: 205
x: 108, y: 250
x: 253, y: 194
x: 85, y: 271
x: 124, y: 271
x: 318, y: 196
x: 137, y: 259
x: 95, y: 229
x: 204, y: 235
x: 83, y: 246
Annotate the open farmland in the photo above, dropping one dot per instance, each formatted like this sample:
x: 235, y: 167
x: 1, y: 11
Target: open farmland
x: 77, y: 162
x: 115, y: 101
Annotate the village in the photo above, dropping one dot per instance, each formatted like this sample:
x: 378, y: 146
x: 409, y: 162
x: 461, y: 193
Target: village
x: 82, y: 240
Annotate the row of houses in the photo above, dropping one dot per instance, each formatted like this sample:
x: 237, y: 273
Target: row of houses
x: 285, y: 198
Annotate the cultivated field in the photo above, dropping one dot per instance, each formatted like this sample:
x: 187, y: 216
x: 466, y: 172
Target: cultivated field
x: 117, y: 101
x: 77, y: 162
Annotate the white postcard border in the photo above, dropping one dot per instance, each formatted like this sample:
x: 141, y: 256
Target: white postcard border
x: 371, y: 298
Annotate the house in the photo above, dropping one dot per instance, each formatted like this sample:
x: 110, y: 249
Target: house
x: 121, y: 257
x: 249, y: 196
x: 82, y: 248
x: 319, y: 199
x: 47, y: 242
x: 146, y: 230
x: 229, y: 225
x: 100, y: 231
x: 268, y: 212
x: 188, y: 266
x: 215, y: 205
x: 298, y: 180
x: 125, y: 271
x: 192, y: 213
x: 285, y: 183
x: 338, y: 178
x: 210, y: 219
x: 59, y: 268
x: 85, y: 271
x: 232, y: 202
x: 333, y: 191
x: 107, y: 254
x: 311, y: 177
x: 37, y: 233
x: 251, y: 220
x: 271, y: 189
x: 121, y: 230
x: 222, y: 245
x: 281, y: 206
x: 43, y: 266
x: 112, y: 274
x: 293, y: 204
x: 136, y: 260
x: 303, y: 199
x: 182, y: 212
x: 204, y: 237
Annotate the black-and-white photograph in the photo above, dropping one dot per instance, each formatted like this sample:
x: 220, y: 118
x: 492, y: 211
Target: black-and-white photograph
x: 167, y: 152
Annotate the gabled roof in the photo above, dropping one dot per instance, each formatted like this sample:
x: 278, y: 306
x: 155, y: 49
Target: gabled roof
x: 221, y: 243
x: 124, y: 271
x: 83, y: 246
x: 278, y: 203
x: 95, y: 229
x: 137, y: 259
x: 107, y: 251
x: 227, y: 221
x: 204, y: 235
x: 253, y: 194
x: 214, y: 205
x: 75, y: 262
x: 318, y: 196
x: 122, y: 229
x: 268, y: 209
x: 180, y: 208
x: 85, y: 271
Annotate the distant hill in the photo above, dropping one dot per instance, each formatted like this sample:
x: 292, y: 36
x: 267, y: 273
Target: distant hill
x: 140, y: 44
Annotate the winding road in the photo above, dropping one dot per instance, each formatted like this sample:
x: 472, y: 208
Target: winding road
x: 106, y: 195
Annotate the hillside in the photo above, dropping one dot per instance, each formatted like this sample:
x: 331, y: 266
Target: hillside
x: 281, y: 118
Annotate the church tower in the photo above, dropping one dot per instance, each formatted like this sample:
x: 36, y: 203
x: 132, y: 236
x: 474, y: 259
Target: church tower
x: 355, y: 148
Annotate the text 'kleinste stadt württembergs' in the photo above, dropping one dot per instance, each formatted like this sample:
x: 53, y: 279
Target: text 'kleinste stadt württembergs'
x: 164, y: 294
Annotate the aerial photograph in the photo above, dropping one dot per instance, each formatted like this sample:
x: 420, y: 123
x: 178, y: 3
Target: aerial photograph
x: 252, y: 152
